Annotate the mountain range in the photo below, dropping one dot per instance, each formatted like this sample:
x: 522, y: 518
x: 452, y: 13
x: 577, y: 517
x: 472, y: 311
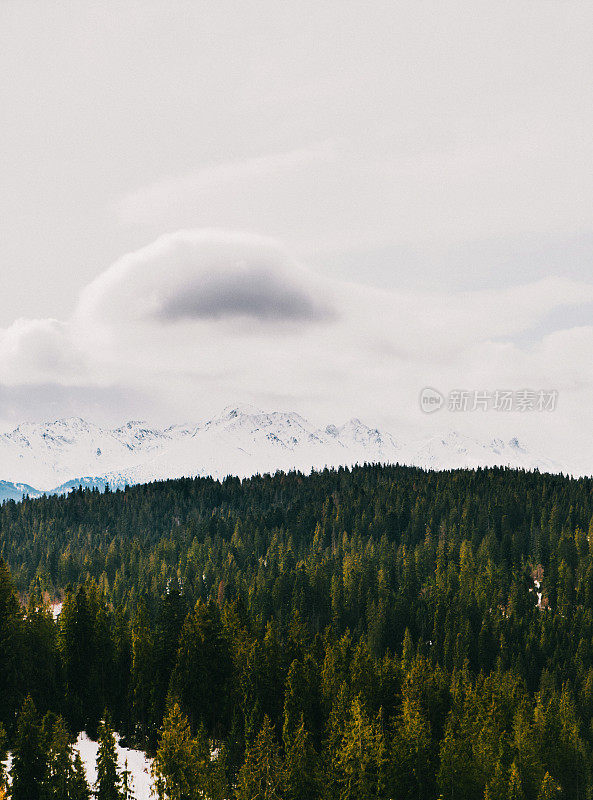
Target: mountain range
x: 54, y: 457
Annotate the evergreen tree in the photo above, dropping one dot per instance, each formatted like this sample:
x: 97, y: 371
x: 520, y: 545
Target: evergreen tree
x: 10, y: 621
x: 261, y: 776
x: 60, y: 767
x: 176, y: 767
x: 29, y: 756
x: 301, y: 779
x: 411, y: 754
x: 108, y: 784
x: 200, y: 679
x: 127, y: 783
x: 79, y: 788
x: 361, y: 760
x: 515, y: 790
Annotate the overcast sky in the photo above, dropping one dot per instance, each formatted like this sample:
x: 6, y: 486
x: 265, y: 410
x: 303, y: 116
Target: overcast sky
x: 312, y: 206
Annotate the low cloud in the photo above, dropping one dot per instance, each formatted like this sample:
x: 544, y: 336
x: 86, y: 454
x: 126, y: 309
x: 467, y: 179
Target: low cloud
x: 40, y: 349
x: 256, y: 293
x: 200, y: 319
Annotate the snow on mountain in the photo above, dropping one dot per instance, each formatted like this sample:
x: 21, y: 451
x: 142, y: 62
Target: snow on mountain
x: 16, y: 491
x: 241, y: 440
x: 454, y: 450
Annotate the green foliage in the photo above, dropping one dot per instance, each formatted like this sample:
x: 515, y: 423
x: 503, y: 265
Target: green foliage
x: 29, y: 756
x: 301, y: 768
x: 360, y: 760
x: 261, y: 776
x: 183, y: 768
x: 108, y: 785
x: 201, y: 676
x: 79, y: 788
x: 374, y: 632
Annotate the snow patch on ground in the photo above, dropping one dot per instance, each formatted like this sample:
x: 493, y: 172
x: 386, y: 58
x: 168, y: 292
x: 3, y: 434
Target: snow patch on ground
x: 138, y: 764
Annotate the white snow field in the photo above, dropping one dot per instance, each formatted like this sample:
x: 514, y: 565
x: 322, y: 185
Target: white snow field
x: 138, y: 765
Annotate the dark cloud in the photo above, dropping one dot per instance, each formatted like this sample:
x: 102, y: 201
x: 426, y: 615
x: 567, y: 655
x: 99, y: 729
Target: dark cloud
x: 258, y: 294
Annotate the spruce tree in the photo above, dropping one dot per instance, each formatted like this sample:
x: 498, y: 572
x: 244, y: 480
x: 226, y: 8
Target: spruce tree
x: 60, y: 771
x: 29, y: 756
x: 79, y: 787
x: 200, y: 679
x: 108, y: 784
x: 261, y: 775
x: 361, y: 760
x: 10, y: 625
x: 176, y: 765
x: 515, y: 790
x: 127, y: 783
x: 301, y: 779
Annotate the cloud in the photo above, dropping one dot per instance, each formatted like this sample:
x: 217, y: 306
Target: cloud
x: 256, y: 293
x: 33, y: 350
x: 200, y: 319
x: 207, y: 275
x: 161, y: 198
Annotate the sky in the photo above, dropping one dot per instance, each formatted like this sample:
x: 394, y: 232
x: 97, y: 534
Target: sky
x: 319, y: 207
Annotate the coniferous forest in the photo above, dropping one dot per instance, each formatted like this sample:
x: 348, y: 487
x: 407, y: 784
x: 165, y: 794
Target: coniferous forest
x: 381, y: 632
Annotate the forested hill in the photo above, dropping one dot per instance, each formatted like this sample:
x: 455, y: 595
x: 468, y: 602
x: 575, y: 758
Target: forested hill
x: 441, y: 623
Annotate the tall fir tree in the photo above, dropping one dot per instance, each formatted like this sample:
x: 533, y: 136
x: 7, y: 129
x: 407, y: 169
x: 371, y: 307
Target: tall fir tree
x: 361, y: 760
x: 200, y: 681
x: 108, y: 783
x: 79, y: 787
x: 176, y: 766
x: 29, y: 756
x: 60, y: 768
x: 301, y: 767
x: 261, y: 775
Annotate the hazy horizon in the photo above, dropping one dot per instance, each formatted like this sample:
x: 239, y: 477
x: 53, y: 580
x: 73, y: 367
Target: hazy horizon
x: 313, y: 208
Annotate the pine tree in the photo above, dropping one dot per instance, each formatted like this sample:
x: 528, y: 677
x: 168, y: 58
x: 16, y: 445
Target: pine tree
x: 515, y: 791
x: 29, y: 764
x: 10, y: 623
x: 79, y: 788
x: 176, y: 766
x: 200, y: 679
x: 60, y: 772
x: 127, y: 783
x: 260, y: 777
x: 411, y: 753
x: 142, y: 670
x: 361, y: 761
x: 301, y: 780
x: 108, y: 784
x: 79, y: 659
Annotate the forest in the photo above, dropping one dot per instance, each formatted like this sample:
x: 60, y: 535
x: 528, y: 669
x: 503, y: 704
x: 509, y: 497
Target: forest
x: 377, y: 632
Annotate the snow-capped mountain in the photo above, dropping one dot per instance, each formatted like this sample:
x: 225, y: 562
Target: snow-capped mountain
x: 241, y: 440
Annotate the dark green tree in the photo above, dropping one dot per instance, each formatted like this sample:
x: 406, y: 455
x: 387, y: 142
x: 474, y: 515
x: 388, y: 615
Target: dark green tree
x: 108, y: 784
x: 79, y: 788
x: 201, y: 678
x: 261, y: 776
x: 29, y: 770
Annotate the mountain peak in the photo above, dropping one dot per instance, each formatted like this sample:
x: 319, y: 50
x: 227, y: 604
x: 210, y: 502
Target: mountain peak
x: 241, y: 440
